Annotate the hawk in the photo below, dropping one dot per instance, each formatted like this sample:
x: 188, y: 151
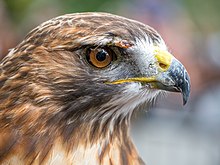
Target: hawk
x: 69, y: 89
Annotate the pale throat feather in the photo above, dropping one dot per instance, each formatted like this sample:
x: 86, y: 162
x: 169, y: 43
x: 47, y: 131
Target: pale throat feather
x: 107, y: 134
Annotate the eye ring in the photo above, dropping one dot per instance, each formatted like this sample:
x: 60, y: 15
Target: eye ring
x: 99, y: 57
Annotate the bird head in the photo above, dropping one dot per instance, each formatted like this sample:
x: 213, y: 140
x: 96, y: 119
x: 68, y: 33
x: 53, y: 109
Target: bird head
x: 95, y: 64
x: 75, y: 81
x: 119, y: 61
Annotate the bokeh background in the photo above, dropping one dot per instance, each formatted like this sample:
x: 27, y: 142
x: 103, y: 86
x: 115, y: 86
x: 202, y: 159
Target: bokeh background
x: 168, y: 134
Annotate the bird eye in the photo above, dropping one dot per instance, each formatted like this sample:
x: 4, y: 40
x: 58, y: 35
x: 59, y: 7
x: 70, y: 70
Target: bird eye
x: 99, y: 57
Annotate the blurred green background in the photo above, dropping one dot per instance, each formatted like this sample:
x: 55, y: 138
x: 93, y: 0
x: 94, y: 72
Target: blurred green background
x: 168, y: 134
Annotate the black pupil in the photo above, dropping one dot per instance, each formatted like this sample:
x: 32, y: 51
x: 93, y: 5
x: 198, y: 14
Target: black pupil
x: 101, y: 56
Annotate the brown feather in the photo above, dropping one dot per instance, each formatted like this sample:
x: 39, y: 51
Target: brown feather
x: 49, y: 100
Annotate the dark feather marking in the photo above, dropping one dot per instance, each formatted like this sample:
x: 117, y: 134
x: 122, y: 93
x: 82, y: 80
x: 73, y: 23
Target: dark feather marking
x: 105, y: 150
x: 95, y: 131
x: 105, y: 126
x: 46, y: 145
x: 2, y: 81
x: 33, y: 158
x: 110, y: 161
x: 8, y: 146
x: 124, y: 156
x: 30, y: 148
x: 68, y: 130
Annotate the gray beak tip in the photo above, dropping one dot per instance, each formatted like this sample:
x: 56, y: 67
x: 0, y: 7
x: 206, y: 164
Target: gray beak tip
x: 185, y: 88
x: 185, y: 99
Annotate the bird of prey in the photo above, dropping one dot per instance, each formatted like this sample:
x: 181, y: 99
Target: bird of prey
x: 69, y: 89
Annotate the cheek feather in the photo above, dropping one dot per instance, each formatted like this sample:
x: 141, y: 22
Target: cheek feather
x: 131, y: 97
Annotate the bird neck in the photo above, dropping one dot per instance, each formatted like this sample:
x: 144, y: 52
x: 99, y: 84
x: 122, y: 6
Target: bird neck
x: 86, y: 143
x: 100, y: 136
x: 103, y: 145
x: 40, y: 135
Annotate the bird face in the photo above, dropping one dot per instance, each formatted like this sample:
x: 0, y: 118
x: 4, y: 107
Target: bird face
x: 104, y: 61
x: 139, y: 67
x: 153, y: 67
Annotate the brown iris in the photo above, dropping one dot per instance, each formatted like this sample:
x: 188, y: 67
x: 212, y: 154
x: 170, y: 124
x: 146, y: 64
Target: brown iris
x: 99, y: 57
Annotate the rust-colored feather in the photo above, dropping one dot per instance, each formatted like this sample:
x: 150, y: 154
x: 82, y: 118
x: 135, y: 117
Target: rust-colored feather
x: 54, y: 109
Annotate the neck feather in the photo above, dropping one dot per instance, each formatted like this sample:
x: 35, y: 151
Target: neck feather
x: 85, y: 140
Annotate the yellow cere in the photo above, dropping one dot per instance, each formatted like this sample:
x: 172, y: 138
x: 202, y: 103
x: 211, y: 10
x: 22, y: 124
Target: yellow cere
x: 135, y: 79
x: 164, y: 59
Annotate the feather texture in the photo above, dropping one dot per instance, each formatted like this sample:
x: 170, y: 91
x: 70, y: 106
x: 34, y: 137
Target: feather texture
x: 55, y: 108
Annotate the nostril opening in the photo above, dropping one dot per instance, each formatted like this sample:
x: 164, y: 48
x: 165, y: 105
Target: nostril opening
x: 163, y: 66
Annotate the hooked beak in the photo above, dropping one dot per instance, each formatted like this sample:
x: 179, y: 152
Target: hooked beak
x: 175, y: 79
x: 172, y: 76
